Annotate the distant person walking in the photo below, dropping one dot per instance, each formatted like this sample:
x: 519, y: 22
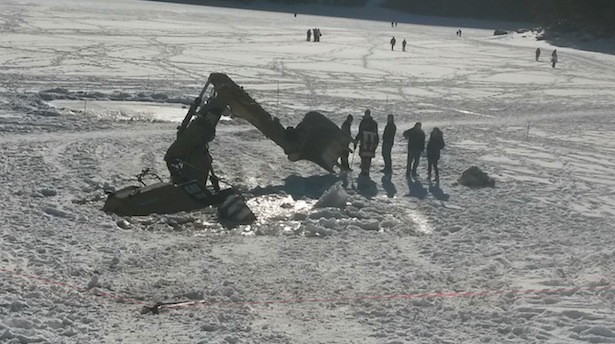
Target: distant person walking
x: 416, y: 145
x: 434, y: 146
x: 368, y: 140
x: 393, y: 41
x: 309, y: 35
x: 388, y: 138
x: 537, y: 53
x: 346, y: 129
x: 554, y: 58
x: 403, y: 45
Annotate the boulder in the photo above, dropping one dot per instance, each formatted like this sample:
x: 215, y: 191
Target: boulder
x: 500, y: 32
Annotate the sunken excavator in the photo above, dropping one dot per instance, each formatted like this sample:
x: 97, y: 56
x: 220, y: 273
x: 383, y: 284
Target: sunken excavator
x: 315, y: 138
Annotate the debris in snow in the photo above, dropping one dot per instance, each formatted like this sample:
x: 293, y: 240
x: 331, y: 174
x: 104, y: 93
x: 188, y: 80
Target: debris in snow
x: 48, y: 192
x: 53, y: 211
x: 209, y: 327
x: 474, y: 177
x: 114, y: 262
x: 93, y: 282
x: 123, y: 224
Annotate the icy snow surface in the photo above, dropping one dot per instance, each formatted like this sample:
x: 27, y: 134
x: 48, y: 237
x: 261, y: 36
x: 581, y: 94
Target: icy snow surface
x: 91, y: 92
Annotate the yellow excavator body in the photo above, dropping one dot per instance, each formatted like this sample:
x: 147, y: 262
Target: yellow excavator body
x: 315, y: 138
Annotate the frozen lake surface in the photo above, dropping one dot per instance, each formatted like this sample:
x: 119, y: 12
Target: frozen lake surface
x: 545, y: 134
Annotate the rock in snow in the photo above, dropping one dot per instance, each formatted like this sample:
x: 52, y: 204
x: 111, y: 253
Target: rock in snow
x: 474, y: 177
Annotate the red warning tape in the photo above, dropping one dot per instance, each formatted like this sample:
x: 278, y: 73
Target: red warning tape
x: 394, y: 296
x: 95, y: 292
x: 318, y: 300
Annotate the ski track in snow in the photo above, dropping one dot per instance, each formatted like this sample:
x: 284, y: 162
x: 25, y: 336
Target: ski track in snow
x: 545, y: 135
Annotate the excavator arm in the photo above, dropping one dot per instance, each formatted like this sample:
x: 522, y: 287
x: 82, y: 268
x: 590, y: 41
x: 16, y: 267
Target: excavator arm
x: 315, y: 138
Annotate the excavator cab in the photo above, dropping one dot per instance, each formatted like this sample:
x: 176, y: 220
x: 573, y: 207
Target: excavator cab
x: 194, y: 185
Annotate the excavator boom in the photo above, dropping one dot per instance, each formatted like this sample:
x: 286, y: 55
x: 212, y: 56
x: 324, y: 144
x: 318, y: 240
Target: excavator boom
x: 315, y: 138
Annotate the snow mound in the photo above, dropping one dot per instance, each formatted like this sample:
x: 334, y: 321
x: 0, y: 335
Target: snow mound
x: 335, y: 197
x: 474, y: 177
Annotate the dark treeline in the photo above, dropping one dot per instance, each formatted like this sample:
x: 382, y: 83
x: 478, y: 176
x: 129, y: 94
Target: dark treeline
x: 286, y: 2
x: 596, y: 17
x: 510, y: 10
x: 591, y: 16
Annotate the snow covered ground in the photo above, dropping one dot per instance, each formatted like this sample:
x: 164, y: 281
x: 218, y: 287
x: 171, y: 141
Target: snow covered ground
x: 85, y: 86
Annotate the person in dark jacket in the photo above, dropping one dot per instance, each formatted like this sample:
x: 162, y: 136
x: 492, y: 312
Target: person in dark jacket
x: 388, y: 137
x: 537, y: 53
x: 416, y: 145
x: 403, y: 45
x: 554, y: 58
x: 393, y: 41
x: 346, y: 129
x: 434, y: 146
x: 368, y: 140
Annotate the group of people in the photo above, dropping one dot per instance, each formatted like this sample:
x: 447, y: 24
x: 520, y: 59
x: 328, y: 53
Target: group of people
x: 368, y: 139
x: 315, y: 32
x: 458, y: 33
x: 393, y: 41
x: 553, y: 56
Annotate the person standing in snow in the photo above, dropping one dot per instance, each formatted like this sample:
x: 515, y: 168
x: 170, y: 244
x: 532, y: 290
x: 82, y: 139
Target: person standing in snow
x: 346, y: 129
x: 393, y: 43
x: 309, y: 35
x: 537, y: 53
x: 554, y: 58
x: 388, y: 137
x: 434, y: 146
x: 416, y: 145
x: 403, y: 45
x: 368, y: 140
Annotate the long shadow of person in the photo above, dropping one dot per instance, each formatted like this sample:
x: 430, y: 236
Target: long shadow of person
x: 416, y: 189
x: 437, y: 192
x: 366, y: 187
x: 388, y: 186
